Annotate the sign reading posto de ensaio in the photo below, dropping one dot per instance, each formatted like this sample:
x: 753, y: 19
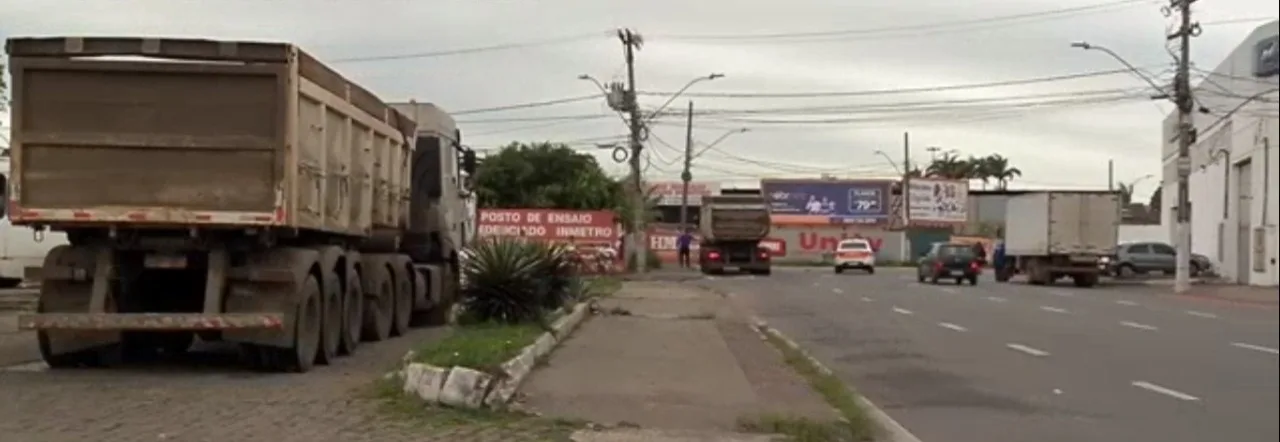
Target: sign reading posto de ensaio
x: 578, y: 225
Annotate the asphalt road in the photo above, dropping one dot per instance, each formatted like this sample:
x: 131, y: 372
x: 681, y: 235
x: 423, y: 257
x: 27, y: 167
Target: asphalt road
x: 1013, y: 362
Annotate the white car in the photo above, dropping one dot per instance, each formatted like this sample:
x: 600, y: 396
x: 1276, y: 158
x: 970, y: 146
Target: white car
x: 855, y: 253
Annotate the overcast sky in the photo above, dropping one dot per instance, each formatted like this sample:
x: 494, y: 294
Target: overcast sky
x: 1055, y: 138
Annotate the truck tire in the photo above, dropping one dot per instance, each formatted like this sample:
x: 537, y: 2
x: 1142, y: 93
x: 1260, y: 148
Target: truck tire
x: 332, y: 320
x: 379, y: 305
x: 352, y: 314
x: 1086, y: 280
x: 300, y: 355
x: 402, y: 306
x: 56, y: 294
x: 90, y: 357
x: 421, y: 313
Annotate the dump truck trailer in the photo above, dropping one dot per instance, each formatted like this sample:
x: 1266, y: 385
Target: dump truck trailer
x: 732, y: 227
x: 230, y: 191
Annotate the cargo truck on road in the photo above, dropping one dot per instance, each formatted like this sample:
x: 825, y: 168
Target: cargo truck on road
x: 732, y: 227
x: 235, y: 191
x: 1052, y: 235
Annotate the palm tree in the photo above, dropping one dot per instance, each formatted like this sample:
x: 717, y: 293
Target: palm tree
x: 1126, y: 194
x: 949, y: 166
x: 996, y: 166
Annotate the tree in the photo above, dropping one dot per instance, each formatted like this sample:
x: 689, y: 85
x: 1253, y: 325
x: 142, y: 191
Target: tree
x: 1156, y: 200
x: 1126, y: 193
x: 949, y: 166
x: 992, y: 167
x: 544, y: 176
x: 4, y: 98
x: 996, y: 166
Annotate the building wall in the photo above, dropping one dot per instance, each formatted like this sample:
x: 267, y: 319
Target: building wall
x: 1219, y: 209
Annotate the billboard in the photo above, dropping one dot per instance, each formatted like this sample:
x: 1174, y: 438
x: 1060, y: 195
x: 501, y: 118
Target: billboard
x: 810, y: 202
x: 582, y: 226
x: 937, y: 202
x: 669, y: 193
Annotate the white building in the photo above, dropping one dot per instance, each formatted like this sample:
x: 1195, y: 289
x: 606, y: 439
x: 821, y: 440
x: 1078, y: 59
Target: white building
x: 1234, y: 180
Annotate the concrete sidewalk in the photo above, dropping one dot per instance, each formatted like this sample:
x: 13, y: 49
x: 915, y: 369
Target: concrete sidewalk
x: 684, y: 361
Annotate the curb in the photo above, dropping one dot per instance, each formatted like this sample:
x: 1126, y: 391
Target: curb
x: 895, y: 431
x: 469, y: 388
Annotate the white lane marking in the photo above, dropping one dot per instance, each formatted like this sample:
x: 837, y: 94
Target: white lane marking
x: 1165, y: 391
x: 1053, y: 309
x: 1062, y: 293
x: 948, y: 290
x: 1136, y: 325
x: 996, y: 299
x: 1255, y: 348
x: 948, y: 325
x: 815, y: 284
x: 1126, y: 302
x: 1201, y: 314
x: 1028, y: 350
x: 902, y: 311
x: 837, y: 291
x: 866, y: 299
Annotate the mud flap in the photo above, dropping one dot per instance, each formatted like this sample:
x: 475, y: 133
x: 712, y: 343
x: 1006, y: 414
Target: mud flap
x: 269, y: 282
x: 69, y: 275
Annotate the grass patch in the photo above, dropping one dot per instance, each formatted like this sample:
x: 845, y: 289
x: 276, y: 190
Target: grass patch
x: 397, y: 408
x: 799, y: 429
x: 602, y: 286
x: 479, y: 346
x: 856, y: 426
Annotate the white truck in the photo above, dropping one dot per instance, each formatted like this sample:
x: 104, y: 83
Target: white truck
x: 22, y: 249
x: 1055, y: 234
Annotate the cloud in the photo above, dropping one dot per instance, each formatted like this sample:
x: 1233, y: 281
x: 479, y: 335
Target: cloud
x: 1035, y: 139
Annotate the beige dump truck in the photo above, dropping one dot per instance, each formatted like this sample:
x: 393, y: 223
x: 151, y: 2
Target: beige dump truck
x: 230, y: 191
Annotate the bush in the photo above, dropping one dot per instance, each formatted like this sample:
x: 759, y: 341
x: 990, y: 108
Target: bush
x: 510, y: 280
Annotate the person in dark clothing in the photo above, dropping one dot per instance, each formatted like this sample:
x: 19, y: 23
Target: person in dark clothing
x: 683, y: 244
x: 980, y: 252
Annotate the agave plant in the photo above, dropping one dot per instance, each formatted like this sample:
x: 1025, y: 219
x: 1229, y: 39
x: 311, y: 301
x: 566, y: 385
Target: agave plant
x: 513, y: 280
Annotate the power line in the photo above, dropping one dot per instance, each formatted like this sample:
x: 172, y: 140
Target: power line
x: 1052, y: 13
x: 476, y: 49
x: 534, y: 104
x: 1021, y: 82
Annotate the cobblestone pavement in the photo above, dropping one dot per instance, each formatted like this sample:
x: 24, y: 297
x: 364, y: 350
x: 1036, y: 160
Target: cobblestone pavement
x: 207, y: 397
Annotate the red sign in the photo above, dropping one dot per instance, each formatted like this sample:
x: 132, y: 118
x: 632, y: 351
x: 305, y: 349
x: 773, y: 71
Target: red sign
x: 663, y: 243
x: 815, y: 242
x: 593, y: 226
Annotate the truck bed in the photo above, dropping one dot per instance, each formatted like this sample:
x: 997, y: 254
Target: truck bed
x: 1062, y: 223
x: 199, y: 132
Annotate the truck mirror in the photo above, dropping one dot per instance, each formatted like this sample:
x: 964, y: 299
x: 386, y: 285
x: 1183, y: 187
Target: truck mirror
x: 469, y: 161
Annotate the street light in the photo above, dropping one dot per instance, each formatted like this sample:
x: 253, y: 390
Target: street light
x: 718, y: 140
x: 686, y: 87
x: 891, y: 161
x: 1162, y: 95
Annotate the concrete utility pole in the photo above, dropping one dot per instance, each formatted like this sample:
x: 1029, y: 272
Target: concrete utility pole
x: 632, y: 42
x: 1186, y: 137
x: 906, y: 180
x: 687, y: 175
x: 1111, y: 174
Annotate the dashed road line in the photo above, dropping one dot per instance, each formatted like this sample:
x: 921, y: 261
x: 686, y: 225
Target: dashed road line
x: 1062, y: 293
x: 948, y: 290
x: 1165, y: 391
x: 1255, y: 348
x: 1028, y: 350
x: 996, y: 299
x: 1126, y: 302
x: 837, y: 291
x: 902, y: 311
x: 950, y: 326
x: 1136, y: 325
x: 1053, y: 309
x: 1201, y: 314
x: 866, y: 299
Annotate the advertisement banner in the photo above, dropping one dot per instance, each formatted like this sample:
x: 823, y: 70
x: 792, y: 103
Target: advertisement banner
x: 809, y: 244
x: 579, y: 226
x: 811, y: 202
x: 669, y: 193
x: 937, y: 202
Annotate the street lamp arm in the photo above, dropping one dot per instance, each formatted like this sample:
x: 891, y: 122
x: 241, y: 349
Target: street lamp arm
x: 603, y: 90
x: 1134, y: 69
x: 681, y: 91
x: 717, y: 141
x: 891, y: 162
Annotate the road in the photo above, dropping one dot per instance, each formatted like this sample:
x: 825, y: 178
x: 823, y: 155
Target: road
x: 1013, y: 362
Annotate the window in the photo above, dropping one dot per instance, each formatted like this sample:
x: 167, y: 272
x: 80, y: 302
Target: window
x: 961, y: 251
x: 1139, y: 248
x: 854, y: 245
x: 1163, y: 249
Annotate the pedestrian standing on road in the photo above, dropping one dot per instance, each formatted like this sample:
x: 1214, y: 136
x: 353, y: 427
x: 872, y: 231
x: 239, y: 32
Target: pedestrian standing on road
x: 683, y: 243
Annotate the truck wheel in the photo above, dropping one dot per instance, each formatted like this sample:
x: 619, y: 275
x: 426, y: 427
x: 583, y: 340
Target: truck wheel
x: 402, y: 306
x: 352, y: 315
x: 300, y: 355
x: 839, y: 270
x: 379, y: 305
x: 871, y: 270
x: 1085, y: 280
x: 1126, y: 270
x: 331, y: 322
x: 100, y: 356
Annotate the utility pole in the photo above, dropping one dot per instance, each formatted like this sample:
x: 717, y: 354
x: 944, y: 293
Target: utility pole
x: 632, y: 42
x: 906, y: 180
x: 687, y: 175
x: 1186, y: 137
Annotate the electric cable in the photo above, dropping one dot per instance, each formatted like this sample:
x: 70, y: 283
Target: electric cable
x: 477, y: 49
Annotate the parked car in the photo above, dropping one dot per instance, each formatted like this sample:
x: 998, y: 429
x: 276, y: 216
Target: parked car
x: 855, y: 253
x: 1130, y: 259
x: 950, y: 261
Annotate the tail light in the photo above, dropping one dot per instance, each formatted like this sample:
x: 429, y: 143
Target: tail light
x: 937, y: 266
x: 975, y: 266
x: 713, y: 255
x: 764, y: 254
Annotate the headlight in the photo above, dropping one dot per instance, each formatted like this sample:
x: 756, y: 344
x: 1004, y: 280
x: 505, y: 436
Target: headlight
x: 1104, y: 260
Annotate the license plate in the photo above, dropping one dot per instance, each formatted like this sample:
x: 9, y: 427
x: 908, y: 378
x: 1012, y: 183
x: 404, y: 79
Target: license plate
x: 954, y: 272
x: 164, y: 261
